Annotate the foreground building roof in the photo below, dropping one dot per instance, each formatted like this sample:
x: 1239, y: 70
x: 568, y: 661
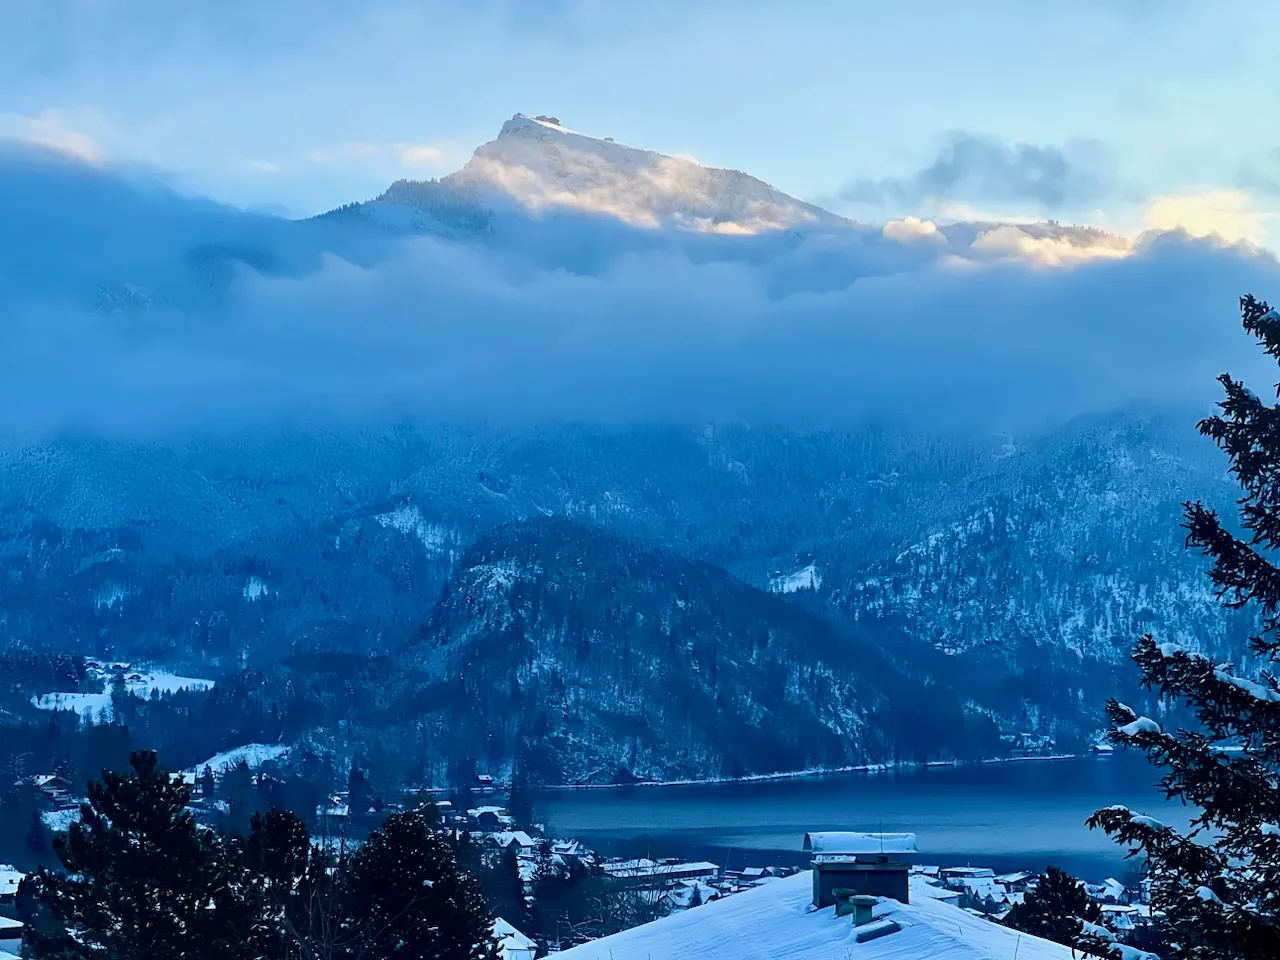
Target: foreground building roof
x: 779, y: 922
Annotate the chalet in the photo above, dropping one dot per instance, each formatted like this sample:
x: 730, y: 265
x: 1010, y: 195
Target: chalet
x: 10, y: 879
x: 56, y: 789
x: 484, y: 783
x: 506, y: 838
x: 863, y: 864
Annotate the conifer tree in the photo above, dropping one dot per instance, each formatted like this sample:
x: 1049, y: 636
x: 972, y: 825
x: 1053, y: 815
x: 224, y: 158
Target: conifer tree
x: 1056, y: 909
x: 410, y: 901
x: 295, y: 893
x: 142, y: 881
x: 1219, y: 883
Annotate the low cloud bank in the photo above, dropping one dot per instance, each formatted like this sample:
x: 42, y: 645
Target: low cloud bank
x: 128, y: 310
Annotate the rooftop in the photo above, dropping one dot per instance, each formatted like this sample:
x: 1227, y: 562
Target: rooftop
x: 860, y: 844
x: 777, y: 921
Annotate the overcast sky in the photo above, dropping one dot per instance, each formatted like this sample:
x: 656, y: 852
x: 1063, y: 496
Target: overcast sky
x: 1120, y: 113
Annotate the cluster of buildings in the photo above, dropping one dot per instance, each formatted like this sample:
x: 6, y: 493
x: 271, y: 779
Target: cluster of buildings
x: 983, y: 892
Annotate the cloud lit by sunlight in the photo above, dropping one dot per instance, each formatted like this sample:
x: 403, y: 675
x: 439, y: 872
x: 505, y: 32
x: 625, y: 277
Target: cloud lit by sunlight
x: 51, y: 129
x: 1229, y: 215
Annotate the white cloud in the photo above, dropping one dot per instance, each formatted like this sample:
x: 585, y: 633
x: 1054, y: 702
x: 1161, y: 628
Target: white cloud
x: 261, y: 166
x: 1009, y: 240
x: 51, y: 128
x: 422, y: 155
x: 1229, y: 215
x: 909, y: 229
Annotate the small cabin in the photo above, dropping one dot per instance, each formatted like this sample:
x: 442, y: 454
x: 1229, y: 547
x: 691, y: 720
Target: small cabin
x: 860, y: 864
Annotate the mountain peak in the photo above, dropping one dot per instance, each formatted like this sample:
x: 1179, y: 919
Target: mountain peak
x: 544, y: 167
x: 524, y: 125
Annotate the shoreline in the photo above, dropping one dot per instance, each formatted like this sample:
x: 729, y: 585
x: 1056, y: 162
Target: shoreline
x: 812, y: 774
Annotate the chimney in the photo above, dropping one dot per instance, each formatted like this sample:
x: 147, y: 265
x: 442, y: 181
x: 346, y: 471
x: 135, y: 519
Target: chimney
x: 858, y: 905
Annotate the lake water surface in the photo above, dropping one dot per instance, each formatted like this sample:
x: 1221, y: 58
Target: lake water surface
x: 1005, y: 815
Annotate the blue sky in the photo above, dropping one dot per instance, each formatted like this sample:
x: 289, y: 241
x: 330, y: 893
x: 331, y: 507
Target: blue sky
x: 300, y: 106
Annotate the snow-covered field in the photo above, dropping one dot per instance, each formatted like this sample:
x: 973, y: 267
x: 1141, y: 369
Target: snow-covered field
x: 139, y: 683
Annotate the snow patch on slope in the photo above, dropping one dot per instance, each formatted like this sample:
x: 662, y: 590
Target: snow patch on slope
x: 806, y: 578
x: 435, y: 538
x: 255, y: 589
x: 254, y: 754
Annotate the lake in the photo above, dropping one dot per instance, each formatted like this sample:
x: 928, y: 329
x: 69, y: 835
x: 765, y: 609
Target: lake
x: 1005, y: 815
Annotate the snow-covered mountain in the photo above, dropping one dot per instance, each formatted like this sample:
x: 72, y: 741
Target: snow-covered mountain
x: 542, y: 165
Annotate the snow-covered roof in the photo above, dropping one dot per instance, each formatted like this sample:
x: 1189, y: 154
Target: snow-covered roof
x: 8, y: 926
x: 518, y: 837
x: 503, y: 930
x: 9, y: 880
x: 511, y: 943
x: 777, y: 920
x: 860, y: 844
x: 651, y: 868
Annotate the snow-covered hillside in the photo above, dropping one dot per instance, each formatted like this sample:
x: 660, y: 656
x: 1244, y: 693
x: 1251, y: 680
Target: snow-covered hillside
x: 542, y: 165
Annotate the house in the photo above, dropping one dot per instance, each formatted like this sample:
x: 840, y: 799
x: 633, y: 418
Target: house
x: 1019, y: 882
x: 690, y: 893
x: 950, y: 875
x: 780, y: 920
x: 491, y: 818
x: 335, y: 809
x: 572, y: 851
x: 871, y: 864
x: 983, y: 893
x: 505, y: 838
x: 1110, y: 890
x: 484, y: 783
x: 10, y: 936
x: 10, y: 879
x: 511, y: 943
x: 1121, y: 917
x: 747, y: 875
x: 56, y: 789
x: 654, y: 873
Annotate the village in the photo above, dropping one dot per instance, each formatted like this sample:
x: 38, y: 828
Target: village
x: 661, y: 886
